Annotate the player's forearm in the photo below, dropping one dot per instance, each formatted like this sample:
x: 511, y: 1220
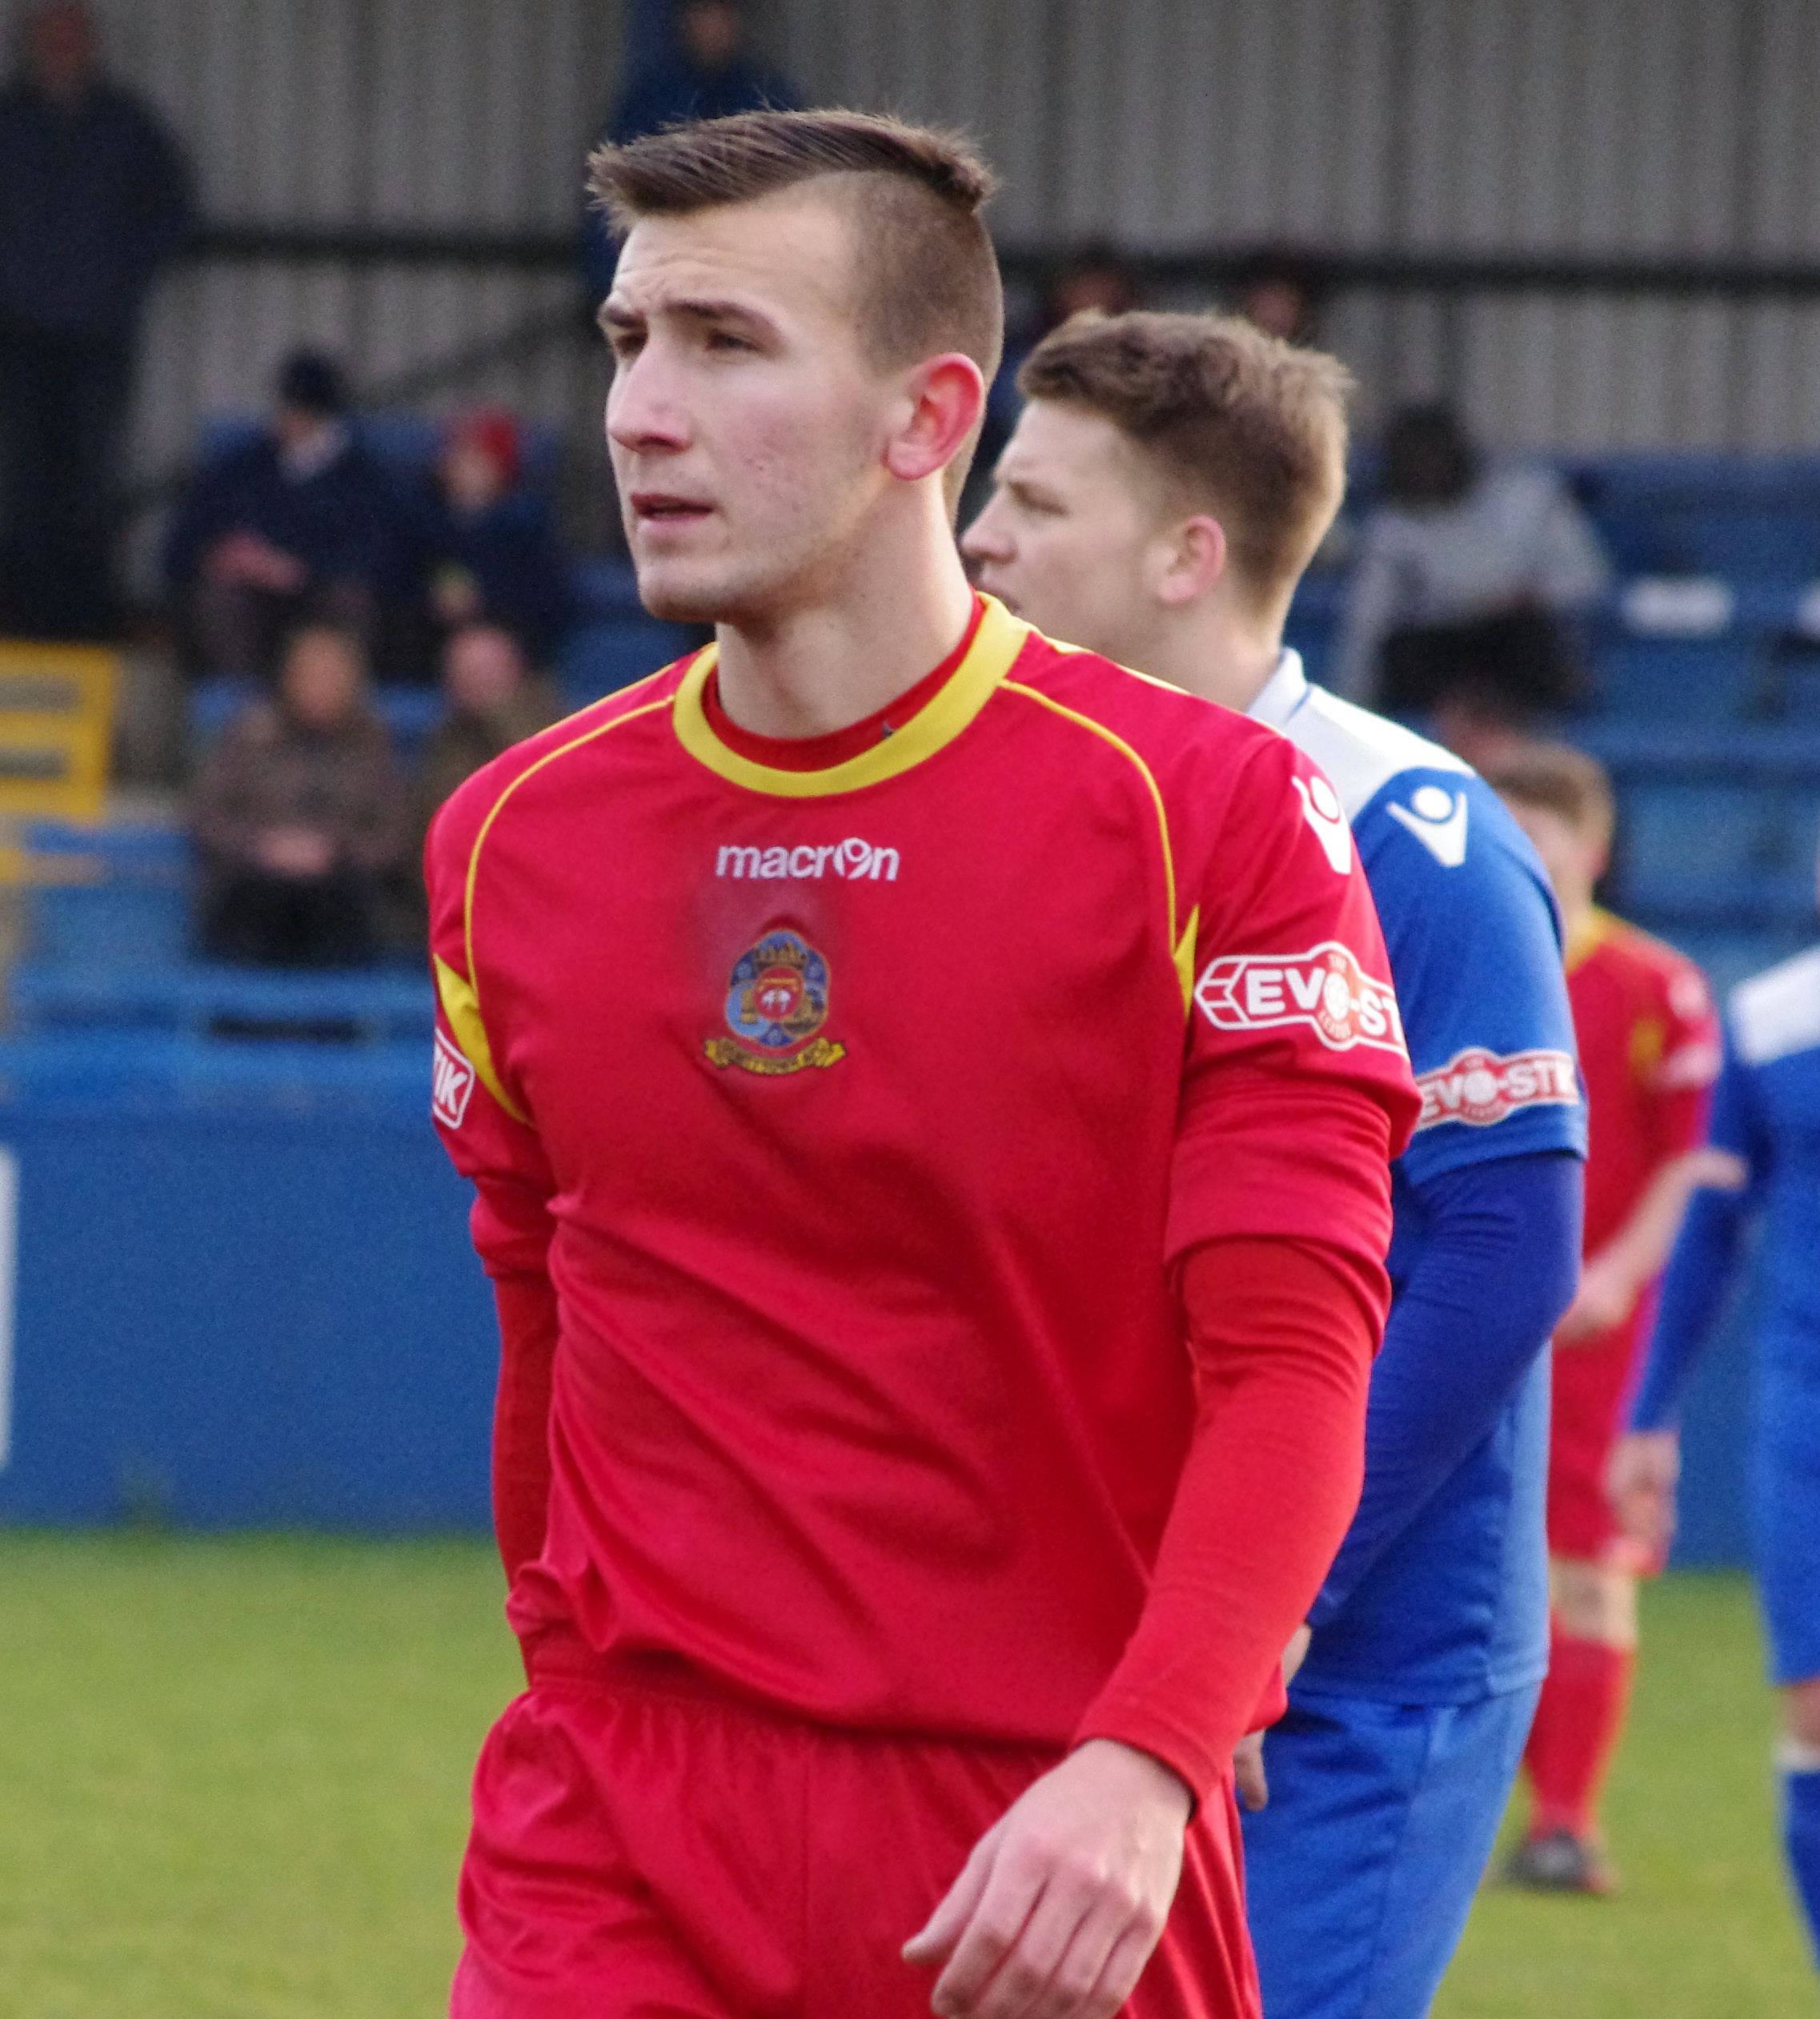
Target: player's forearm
x: 521, y: 1417
x: 1282, y: 1345
x: 1699, y: 1275
x: 1500, y: 1268
x: 1641, y: 1246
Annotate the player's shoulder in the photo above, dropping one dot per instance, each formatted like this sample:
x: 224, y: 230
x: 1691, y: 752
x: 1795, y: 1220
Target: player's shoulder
x: 1135, y: 706
x: 1366, y: 756
x: 1193, y: 752
x: 485, y: 792
x: 1653, y: 965
x: 1776, y: 1014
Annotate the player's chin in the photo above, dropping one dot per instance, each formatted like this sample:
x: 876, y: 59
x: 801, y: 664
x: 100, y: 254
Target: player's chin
x: 678, y: 594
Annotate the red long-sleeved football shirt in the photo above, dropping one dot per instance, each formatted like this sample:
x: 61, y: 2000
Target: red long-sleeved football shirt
x: 856, y: 1120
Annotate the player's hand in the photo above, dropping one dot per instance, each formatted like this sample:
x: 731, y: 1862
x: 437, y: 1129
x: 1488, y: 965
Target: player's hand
x: 1640, y: 1483
x: 1056, y: 1912
x: 1606, y: 1297
x: 1249, y: 1780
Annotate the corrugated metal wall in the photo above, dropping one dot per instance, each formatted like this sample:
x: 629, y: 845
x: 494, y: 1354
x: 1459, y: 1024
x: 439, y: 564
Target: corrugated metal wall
x: 1612, y: 126
x: 1618, y: 127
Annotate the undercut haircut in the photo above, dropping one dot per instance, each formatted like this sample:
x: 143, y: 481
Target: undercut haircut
x: 1242, y: 425
x: 927, y: 278
x: 1561, y: 781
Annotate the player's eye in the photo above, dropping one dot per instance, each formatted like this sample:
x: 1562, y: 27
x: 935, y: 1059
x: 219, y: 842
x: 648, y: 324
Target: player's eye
x: 727, y: 340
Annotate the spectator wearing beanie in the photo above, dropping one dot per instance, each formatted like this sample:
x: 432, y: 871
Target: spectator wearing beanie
x: 301, y: 526
x: 484, y: 549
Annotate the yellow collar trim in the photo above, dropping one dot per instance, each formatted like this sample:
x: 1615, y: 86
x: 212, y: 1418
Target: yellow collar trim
x: 1594, y: 930
x: 994, y: 651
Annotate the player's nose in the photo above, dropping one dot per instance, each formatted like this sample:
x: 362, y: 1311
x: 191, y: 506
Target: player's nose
x: 987, y: 538
x: 644, y: 409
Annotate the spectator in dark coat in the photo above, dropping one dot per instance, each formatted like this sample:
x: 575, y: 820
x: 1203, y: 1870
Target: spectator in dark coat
x: 706, y: 74
x: 1467, y: 576
x: 486, y: 551
x: 301, y: 817
x: 301, y: 525
x: 94, y: 197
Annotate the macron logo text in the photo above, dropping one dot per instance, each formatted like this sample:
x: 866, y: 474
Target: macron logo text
x: 855, y: 860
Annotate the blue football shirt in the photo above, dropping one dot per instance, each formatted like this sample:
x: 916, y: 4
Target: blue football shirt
x: 1454, y: 1605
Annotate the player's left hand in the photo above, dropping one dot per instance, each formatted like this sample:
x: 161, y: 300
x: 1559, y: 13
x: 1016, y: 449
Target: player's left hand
x: 1056, y: 1912
x: 1250, y: 1781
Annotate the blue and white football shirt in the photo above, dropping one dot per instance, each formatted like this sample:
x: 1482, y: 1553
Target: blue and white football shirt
x: 1447, y: 1601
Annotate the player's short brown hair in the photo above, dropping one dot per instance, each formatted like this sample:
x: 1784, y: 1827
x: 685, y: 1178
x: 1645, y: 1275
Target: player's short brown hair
x: 1250, y: 427
x: 1559, y: 780
x: 927, y: 279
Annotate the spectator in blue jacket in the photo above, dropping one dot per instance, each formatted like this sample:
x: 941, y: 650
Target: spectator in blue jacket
x: 95, y: 198
x: 707, y: 73
x: 486, y: 552
x: 302, y: 525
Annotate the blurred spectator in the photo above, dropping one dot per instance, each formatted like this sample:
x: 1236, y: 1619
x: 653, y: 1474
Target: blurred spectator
x: 1095, y: 278
x: 1280, y: 293
x: 300, y: 816
x: 494, y: 700
x: 708, y: 73
x: 1465, y: 574
x: 302, y: 525
x: 94, y: 197
x: 485, y: 549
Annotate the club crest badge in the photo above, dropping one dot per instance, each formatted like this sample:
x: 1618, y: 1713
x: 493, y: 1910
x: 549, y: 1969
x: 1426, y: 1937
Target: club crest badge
x: 776, y: 1005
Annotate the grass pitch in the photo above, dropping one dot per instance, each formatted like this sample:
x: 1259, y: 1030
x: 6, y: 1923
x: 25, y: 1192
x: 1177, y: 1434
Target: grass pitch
x: 233, y: 1785
x: 1704, y: 1927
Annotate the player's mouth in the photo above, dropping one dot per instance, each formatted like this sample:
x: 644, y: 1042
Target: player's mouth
x: 665, y: 509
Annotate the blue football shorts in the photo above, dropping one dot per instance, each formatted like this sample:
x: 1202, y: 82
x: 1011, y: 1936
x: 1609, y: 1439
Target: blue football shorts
x: 1361, y: 1873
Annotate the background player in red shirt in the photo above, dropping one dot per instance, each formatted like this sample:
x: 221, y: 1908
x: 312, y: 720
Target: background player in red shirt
x: 1649, y: 1049
x: 929, y: 1092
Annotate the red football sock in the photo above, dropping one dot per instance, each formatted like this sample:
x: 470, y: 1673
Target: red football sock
x: 1578, y: 1722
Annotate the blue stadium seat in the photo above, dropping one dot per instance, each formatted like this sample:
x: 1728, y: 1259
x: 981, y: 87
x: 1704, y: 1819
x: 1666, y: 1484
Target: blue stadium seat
x: 600, y: 659
x: 201, y: 998
x: 410, y: 712
x: 113, y: 1070
x: 1734, y: 852
x: 130, y: 901
x: 407, y: 442
x: 1677, y: 679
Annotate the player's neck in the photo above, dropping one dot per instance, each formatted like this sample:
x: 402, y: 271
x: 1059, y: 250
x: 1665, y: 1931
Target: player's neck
x: 830, y: 661
x: 1216, y: 649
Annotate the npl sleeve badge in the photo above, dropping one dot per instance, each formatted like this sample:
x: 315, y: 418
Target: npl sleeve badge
x: 451, y: 1083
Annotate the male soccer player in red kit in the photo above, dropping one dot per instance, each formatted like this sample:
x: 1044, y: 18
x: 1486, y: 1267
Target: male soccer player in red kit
x: 929, y: 1092
x: 1649, y: 1049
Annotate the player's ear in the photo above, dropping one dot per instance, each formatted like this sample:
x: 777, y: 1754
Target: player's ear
x: 1190, y: 558
x: 945, y: 397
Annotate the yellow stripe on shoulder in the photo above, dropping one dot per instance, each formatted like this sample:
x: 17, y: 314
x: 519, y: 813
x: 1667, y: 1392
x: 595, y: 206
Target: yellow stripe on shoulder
x: 462, y: 999
x: 499, y: 806
x: 461, y: 1006
x: 1144, y: 772
x: 1185, y: 959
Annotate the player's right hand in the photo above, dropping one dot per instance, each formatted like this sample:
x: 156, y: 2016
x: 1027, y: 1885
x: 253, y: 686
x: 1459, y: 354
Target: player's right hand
x: 1640, y: 1483
x: 1056, y: 1912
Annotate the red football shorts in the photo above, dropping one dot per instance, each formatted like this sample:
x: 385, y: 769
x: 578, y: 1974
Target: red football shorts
x: 1592, y: 1383
x: 645, y: 1847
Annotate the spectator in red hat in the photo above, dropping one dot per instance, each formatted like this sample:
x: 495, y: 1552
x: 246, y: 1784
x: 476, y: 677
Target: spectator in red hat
x: 487, y: 550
